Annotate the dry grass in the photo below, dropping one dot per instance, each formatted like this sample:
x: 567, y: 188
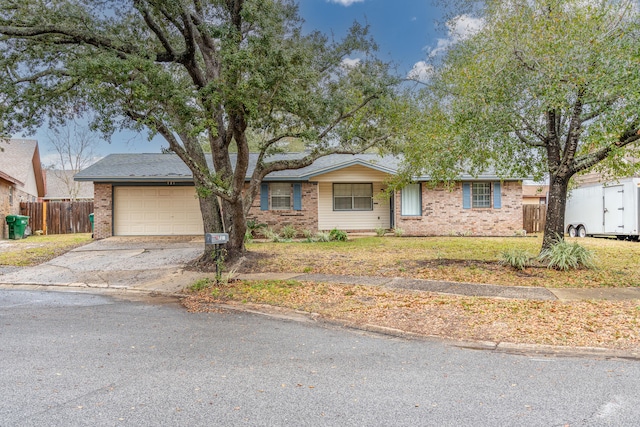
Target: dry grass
x: 585, y: 323
x: 462, y: 259
x: 38, y: 249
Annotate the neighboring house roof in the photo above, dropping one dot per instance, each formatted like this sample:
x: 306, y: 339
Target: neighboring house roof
x: 57, y: 188
x: 535, y: 190
x: 150, y: 167
x: 18, y: 158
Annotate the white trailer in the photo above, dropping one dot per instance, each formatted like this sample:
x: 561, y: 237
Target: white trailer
x: 609, y: 209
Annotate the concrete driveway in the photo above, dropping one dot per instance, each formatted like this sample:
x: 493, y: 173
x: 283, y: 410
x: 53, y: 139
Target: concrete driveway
x: 149, y: 263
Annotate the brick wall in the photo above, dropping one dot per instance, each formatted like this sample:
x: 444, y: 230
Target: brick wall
x: 305, y: 219
x: 443, y: 215
x: 102, y: 211
x: 7, y: 208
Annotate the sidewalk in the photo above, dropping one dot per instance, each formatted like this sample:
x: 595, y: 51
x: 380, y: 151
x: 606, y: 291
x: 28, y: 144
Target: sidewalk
x: 457, y: 288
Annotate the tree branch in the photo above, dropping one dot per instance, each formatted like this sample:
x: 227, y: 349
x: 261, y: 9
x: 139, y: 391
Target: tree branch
x: 575, y: 129
x: 76, y: 36
x: 153, y: 25
x: 34, y: 77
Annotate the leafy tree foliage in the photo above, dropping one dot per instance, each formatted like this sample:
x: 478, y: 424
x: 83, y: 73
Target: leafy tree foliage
x: 191, y: 70
x: 544, y: 88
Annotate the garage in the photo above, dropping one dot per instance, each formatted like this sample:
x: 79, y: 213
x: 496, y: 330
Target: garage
x: 156, y: 211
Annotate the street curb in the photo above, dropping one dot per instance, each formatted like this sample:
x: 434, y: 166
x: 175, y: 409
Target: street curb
x: 522, y: 349
x: 287, y: 314
x: 89, y: 289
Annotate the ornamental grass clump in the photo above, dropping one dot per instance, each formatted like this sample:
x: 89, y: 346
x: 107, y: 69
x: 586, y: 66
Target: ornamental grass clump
x: 518, y: 259
x: 565, y: 256
x: 289, y: 232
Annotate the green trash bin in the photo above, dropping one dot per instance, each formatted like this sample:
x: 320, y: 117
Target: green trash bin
x: 91, y: 221
x: 17, y: 226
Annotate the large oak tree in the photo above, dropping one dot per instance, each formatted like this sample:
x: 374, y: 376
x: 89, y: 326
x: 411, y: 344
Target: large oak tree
x: 191, y: 70
x: 544, y: 88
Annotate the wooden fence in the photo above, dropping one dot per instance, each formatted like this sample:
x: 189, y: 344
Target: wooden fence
x: 534, y: 218
x: 58, y: 217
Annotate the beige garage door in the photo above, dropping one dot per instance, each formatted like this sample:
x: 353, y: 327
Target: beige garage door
x: 156, y: 211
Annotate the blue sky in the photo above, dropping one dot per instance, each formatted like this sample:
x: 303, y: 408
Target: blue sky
x: 405, y: 30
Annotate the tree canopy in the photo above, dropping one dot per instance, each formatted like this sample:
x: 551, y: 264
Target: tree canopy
x: 191, y: 70
x: 545, y: 88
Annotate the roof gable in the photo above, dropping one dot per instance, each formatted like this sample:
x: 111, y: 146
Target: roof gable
x: 18, y: 159
x: 58, y: 182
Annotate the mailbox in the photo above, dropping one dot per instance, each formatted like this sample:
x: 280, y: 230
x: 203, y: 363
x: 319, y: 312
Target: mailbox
x: 216, y: 238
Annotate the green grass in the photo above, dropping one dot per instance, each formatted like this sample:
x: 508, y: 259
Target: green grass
x: 462, y: 259
x: 38, y: 249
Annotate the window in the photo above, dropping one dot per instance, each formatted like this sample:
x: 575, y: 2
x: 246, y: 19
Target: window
x: 352, y: 197
x: 411, y: 200
x: 481, y: 195
x: 280, y: 195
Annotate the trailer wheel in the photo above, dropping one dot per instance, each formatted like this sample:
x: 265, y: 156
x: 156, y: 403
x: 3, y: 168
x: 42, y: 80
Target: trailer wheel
x: 582, y: 232
x: 572, y: 231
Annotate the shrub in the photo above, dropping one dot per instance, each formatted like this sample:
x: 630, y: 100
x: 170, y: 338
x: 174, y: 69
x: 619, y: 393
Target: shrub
x: 338, y: 235
x: 272, y: 235
x: 380, y: 231
x: 322, y: 236
x: 519, y: 259
x: 566, y: 256
x: 288, y: 232
x: 248, y: 236
x: 252, y: 227
x: 398, y: 232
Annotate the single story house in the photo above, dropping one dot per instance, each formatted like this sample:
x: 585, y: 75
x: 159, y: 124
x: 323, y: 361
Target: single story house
x: 61, y: 187
x: 154, y: 194
x: 21, y: 177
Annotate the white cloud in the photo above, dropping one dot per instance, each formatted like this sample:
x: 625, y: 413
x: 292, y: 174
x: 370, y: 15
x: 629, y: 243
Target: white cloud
x: 345, y: 3
x: 421, y: 71
x: 460, y: 28
x: 350, y: 63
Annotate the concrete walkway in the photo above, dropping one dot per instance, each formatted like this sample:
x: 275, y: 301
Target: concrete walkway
x: 457, y: 288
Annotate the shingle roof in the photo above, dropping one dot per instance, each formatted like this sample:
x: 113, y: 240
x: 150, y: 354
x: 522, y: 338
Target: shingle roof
x: 18, y: 157
x: 57, y: 185
x: 151, y: 167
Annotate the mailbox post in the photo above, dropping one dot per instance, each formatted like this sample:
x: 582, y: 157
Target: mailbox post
x: 216, y: 239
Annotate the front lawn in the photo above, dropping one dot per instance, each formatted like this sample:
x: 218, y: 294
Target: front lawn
x: 38, y: 249
x: 461, y: 259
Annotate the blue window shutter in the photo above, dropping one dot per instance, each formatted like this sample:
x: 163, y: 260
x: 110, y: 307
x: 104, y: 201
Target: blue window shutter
x: 466, y: 195
x: 297, y: 196
x: 497, y: 195
x: 264, y: 196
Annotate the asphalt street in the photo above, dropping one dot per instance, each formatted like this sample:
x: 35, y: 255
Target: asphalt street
x: 73, y: 359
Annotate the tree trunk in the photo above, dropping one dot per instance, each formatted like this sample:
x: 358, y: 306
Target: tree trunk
x: 236, y: 227
x: 212, y: 221
x: 554, y: 226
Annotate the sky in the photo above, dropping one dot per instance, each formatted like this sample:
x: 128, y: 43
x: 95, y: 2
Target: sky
x: 406, y: 31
